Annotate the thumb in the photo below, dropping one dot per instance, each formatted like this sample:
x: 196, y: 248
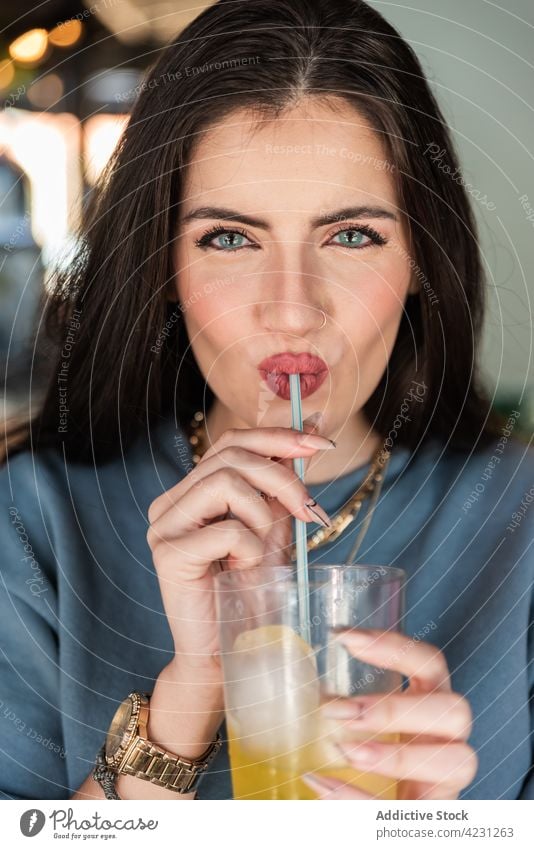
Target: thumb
x: 277, y: 546
x: 312, y: 424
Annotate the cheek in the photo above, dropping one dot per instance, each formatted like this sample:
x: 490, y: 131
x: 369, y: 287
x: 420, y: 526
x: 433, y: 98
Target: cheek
x: 209, y: 301
x: 213, y: 321
x: 375, y: 313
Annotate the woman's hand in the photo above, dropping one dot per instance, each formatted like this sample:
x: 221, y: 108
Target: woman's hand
x: 233, y: 511
x: 218, y: 518
x: 433, y: 761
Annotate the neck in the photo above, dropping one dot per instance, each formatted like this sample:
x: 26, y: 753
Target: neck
x: 356, y: 443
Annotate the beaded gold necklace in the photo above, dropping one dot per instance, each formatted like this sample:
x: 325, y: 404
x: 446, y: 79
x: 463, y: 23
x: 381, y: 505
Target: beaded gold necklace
x: 370, y: 486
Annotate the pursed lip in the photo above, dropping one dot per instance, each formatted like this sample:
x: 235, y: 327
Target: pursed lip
x: 288, y: 363
x: 275, y: 372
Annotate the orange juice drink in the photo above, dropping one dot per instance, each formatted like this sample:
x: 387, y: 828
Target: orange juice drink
x: 275, y: 728
x: 276, y: 682
x: 256, y: 775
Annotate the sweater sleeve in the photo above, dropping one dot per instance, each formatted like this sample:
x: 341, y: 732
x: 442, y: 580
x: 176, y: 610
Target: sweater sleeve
x: 32, y: 761
x: 527, y: 790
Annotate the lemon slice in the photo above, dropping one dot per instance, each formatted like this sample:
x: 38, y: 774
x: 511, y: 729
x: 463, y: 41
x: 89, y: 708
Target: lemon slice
x: 274, y: 692
x: 269, y: 636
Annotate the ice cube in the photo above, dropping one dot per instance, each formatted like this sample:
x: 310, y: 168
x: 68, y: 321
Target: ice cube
x: 272, y: 689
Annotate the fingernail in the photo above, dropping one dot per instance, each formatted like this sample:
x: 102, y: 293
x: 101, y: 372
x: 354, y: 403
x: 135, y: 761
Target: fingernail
x: 317, y: 511
x: 344, y: 710
x: 364, y: 753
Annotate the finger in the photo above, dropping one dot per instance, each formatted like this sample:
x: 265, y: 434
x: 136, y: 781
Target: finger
x: 425, y: 790
x: 237, y: 488
x: 270, y: 441
x: 261, y: 443
x: 439, y: 714
x: 236, y: 484
x: 423, y: 663
x: 210, y: 498
x: 312, y: 425
x: 454, y: 764
x: 435, y: 791
x: 332, y: 788
x: 189, y: 557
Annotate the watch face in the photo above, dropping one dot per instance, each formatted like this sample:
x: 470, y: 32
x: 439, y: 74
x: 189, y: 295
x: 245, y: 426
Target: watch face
x: 117, y: 734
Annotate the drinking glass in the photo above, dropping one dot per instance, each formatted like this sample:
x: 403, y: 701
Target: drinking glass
x: 275, y: 681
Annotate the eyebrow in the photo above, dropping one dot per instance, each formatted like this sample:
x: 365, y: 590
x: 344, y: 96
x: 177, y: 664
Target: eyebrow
x: 327, y: 217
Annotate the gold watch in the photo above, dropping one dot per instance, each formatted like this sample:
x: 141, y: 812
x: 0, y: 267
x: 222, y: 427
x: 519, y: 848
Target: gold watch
x: 128, y: 751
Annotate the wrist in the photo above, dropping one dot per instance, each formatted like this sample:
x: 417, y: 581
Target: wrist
x: 186, y: 710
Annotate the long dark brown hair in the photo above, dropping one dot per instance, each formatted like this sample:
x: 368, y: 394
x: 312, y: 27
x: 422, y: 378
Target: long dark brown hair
x: 112, y: 302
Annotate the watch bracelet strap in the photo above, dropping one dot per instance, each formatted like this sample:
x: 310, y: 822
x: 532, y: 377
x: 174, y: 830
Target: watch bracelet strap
x: 105, y: 776
x: 154, y: 764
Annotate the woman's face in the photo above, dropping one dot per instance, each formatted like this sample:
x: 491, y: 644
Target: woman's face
x: 269, y: 237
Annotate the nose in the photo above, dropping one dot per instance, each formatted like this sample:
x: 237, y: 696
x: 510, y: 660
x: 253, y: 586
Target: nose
x: 292, y: 299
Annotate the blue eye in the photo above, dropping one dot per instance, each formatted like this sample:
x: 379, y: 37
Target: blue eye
x: 352, y: 237
x: 225, y: 239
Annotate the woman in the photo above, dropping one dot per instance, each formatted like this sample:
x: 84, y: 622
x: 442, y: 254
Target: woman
x: 270, y: 196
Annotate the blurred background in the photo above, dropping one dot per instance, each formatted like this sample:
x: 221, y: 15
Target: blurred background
x: 68, y: 71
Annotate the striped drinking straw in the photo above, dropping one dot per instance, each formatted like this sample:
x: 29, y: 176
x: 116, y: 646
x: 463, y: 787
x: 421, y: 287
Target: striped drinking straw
x: 300, y: 527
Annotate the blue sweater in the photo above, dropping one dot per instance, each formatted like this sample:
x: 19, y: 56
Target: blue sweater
x: 82, y: 622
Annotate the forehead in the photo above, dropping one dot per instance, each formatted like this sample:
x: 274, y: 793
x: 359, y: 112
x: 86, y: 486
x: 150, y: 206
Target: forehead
x: 312, y: 149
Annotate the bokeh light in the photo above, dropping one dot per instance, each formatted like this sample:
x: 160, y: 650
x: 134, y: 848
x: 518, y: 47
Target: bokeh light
x: 45, y: 92
x: 30, y: 47
x: 66, y: 34
x: 7, y: 73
